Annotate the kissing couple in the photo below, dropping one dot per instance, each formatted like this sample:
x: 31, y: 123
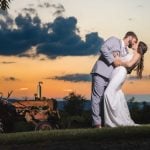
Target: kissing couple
x: 108, y: 75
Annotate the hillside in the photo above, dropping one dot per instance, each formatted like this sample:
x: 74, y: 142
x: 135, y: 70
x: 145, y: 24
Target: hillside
x: 90, y: 139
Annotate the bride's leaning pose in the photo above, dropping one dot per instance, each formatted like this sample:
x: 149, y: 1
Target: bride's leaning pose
x: 116, y: 112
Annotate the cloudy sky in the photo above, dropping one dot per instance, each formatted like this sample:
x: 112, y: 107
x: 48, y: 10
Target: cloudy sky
x: 57, y: 42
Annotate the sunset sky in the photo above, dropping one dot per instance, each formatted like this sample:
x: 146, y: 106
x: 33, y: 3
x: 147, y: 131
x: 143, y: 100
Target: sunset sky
x: 57, y: 42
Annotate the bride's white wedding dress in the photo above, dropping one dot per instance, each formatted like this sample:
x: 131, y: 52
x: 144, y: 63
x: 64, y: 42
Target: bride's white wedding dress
x: 116, y: 112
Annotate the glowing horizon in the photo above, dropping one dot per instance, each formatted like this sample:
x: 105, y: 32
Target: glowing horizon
x: 22, y: 68
x: 22, y: 76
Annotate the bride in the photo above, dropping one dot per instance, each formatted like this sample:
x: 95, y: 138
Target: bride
x: 116, y: 112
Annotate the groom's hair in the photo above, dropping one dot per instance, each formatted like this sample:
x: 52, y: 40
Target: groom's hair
x: 130, y: 33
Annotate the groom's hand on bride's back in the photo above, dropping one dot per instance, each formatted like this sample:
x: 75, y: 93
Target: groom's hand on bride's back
x: 117, y: 61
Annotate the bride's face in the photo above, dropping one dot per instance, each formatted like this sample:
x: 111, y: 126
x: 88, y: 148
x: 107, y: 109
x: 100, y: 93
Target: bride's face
x: 132, y: 43
x: 135, y: 46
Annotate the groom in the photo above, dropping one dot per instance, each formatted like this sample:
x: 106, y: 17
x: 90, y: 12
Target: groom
x: 103, y: 68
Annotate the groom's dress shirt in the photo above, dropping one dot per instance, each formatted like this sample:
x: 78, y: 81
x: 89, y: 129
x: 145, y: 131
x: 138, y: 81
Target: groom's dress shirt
x: 124, y: 50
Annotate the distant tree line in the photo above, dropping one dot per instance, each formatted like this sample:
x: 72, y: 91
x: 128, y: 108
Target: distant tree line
x: 74, y: 115
x: 140, y: 112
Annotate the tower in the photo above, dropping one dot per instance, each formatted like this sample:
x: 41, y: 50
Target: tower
x: 39, y: 90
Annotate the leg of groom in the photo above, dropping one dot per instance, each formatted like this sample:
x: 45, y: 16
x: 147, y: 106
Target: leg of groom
x: 99, y: 84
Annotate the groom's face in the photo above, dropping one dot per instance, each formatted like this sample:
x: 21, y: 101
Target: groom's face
x: 132, y: 42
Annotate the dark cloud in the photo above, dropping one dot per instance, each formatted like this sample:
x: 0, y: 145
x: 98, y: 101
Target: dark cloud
x: 73, y: 78
x: 57, y: 38
x: 140, y: 6
x: 45, y: 5
x: 59, y: 8
x: 8, y: 62
x: 43, y: 59
x: 65, y: 41
x: 49, y: 5
x: 87, y: 78
x: 40, y: 5
x: 10, y: 79
x: 17, y: 41
x: 29, y: 10
x: 31, y: 5
x: 6, y: 21
x: 130, y: 19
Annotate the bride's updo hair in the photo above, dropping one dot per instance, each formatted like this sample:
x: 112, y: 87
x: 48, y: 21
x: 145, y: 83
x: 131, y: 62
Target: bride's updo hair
x: 142, y: 49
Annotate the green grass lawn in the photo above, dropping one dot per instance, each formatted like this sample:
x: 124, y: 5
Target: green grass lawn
x: 73, y: 139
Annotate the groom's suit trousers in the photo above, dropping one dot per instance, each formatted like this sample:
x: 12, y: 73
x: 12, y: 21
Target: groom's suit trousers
x: 99, y: 84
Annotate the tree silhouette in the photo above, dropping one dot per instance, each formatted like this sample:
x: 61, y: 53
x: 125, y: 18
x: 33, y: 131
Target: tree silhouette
x: 4, y: 4
x: 75, y: 104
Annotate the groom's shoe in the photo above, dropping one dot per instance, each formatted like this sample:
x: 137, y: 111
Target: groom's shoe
x: 98, y: 126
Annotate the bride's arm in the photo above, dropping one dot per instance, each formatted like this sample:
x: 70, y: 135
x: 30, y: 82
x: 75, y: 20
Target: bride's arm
x: 133, y: 61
